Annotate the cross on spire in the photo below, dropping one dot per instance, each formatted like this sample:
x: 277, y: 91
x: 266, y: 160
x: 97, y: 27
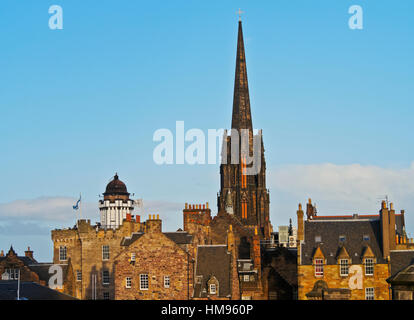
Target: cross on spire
x: 240, y: 13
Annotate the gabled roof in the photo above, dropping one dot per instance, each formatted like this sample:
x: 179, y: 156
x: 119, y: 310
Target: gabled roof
x: 42, y: 270
x: 179, y: 237
x: 368, y: 252
x: 353, y: 230
x: 400, y: 259
x: 318, y: 253
x: 342, y: 253
x: 404, y: 277
x: 30, y: 291
x: 129, y: 240
x: 212, y: 260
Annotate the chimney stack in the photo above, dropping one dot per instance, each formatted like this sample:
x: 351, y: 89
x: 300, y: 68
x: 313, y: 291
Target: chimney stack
x: 300, y: 231
x: 153, y: 225
x: 28, y: 253
x: 309, y: 209
x: 392, y: 227
x: 385, y: 230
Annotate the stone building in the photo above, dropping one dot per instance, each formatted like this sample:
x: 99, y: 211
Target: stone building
x: 347, y: 257
x: 155, y: 265
x: 402, y: 274
x: 29, y: 270
x: 222, y: 257
x: 130, y: 260
x: 90, y: 249
x: 241, y: 231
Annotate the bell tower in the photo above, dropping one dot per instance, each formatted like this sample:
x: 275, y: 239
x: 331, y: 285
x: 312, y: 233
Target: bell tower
x: 246, y: 193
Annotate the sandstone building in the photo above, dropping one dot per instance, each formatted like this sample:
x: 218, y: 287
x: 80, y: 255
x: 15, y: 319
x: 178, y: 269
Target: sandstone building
x: 348, y: 257
x: 228, y: 256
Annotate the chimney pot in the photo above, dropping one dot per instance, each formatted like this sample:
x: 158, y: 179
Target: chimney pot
x: 207, y: 205
x: 391, y: 206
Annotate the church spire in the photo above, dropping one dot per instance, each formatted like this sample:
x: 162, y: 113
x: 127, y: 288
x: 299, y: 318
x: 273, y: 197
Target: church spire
x: 241, y: 118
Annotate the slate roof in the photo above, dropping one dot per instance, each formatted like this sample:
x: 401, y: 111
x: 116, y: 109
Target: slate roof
x: 400, y: 260
x: 42, y: 270
x: 179, y: 237
x: 213, y: 260
x: 404, y: 277
x: 129, y: 240
x: 30, y: 291
x: 24, y: 259
x: 353, y: 229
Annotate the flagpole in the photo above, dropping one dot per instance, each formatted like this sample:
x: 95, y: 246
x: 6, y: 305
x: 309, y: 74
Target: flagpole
x: 18, y: 286
x: 80, y: 206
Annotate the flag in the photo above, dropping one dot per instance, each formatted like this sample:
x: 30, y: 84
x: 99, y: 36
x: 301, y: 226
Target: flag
x: 139, y: 203
x: 76, y: 206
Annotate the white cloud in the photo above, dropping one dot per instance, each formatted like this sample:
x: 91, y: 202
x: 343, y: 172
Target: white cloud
x: 57, y: 211
x: 338, y: 189
x: 43, y: 208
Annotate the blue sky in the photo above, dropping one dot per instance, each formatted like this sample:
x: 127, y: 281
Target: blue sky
x: 79, y: 104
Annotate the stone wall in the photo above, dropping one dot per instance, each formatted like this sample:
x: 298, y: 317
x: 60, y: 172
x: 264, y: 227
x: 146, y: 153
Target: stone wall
x: 307, y: 279
x: 157, y: 256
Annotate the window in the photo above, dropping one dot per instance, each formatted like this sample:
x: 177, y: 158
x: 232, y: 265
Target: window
x: 105, y: 252
x: 13, y: 274
x: 105, y: 277
x: 128, y: 282
x: 78, y: 275
x: 319, y: 267
x: 143, y: 281
x: 106, y: 295
x: 166, y: 281
x: 63, y: 253
x: 365, y: 237
x: 369, y: 294
x: 132, y: 257
x: 318, y: 239
x: 342, y: 238
x: 344, y: 267
x: 369, y: 267
x: 213, y: 288
x: 246, y: 278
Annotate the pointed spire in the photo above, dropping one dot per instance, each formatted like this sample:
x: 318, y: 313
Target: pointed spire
x: 241, y: 118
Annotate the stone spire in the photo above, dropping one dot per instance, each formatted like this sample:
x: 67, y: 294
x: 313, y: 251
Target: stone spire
x: 241, y: 118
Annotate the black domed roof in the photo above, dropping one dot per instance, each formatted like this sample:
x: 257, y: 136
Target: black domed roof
x: 115, y: 187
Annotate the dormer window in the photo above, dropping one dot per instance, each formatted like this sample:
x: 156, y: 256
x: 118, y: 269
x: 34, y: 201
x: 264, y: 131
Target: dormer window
x: 365, y: 237
x: 213, y: 288
x: 319, y: 267
x: 318, y: 239
x: 343, y: 267
x: 342, y: 238
x: 369, y: 267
